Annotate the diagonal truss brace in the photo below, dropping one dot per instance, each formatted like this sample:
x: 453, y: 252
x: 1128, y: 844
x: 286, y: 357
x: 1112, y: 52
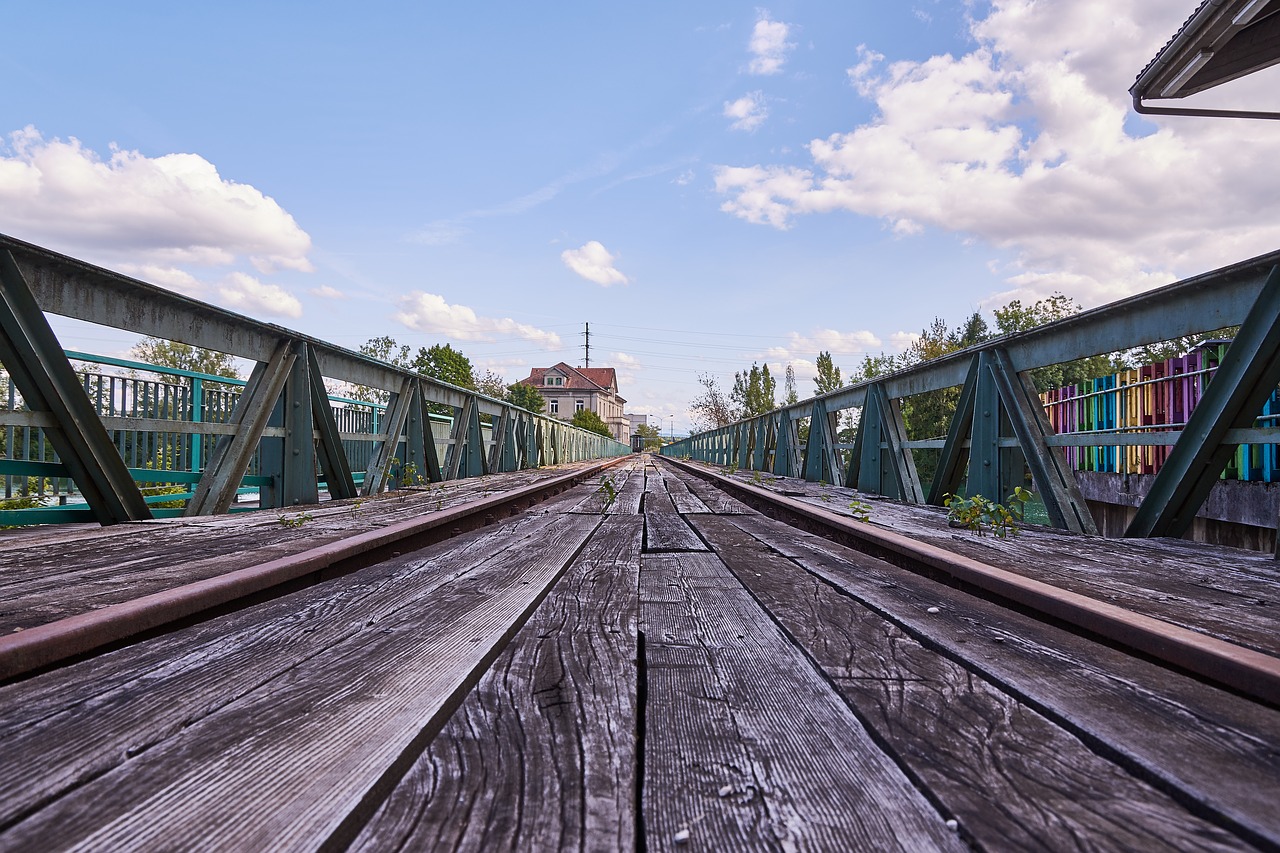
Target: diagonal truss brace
x: 233, y: 453
x: 378, y: 473
x: 42, y: 374
x: 994, y: 390
x: 880, y: 464
x: 1245, y: 378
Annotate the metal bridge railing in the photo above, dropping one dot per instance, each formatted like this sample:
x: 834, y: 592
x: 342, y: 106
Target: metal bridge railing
x: 999, y: 433
x: 124, y: 446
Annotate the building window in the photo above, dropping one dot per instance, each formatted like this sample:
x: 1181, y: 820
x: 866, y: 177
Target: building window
x: 554, y: 406
x: 579, y: 405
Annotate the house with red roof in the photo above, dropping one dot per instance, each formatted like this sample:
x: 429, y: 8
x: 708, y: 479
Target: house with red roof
x: 570, y: 389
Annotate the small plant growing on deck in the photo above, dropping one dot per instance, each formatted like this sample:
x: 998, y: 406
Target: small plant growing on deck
x: 861, y: 510
x: 294, y: 521
x: 609, y: 492
x: 977, y: 513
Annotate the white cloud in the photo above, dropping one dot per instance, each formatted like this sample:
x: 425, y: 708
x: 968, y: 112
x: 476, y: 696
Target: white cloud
x: 166, y: 210
x: 428, y: 312
x: 684, y: 178
x: 246, y: 294
x: 748, y: 112
x: 628, y: 368
x: 594, y: 263
x: 768, y: 45
x: 845, y: 347
x: 1022, y: 143
x: 170, y: 278
x: 324, y: 291
x: 902, y: 341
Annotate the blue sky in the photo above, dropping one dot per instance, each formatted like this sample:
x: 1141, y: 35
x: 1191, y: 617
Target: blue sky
x: 706, y: 187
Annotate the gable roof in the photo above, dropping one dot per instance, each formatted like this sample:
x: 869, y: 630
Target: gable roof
x: 576, y: 378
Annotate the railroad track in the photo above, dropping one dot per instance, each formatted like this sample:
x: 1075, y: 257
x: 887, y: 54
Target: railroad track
x: 1243, y: 670
x: 38, y: 648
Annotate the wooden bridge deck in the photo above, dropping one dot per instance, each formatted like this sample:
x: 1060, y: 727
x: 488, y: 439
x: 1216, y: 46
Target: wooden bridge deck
x: 664, y: 668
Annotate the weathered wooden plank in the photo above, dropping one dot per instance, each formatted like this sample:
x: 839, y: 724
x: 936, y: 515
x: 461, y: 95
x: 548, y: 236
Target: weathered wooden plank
x: 627, y: 484
x: 42, y: 581
x: 746, y: 745
x: 664, y: 529
x: 1200, y: 744
x: 277, y: 765
x: 1224, y: 592
x: 1013, y: 779
x: 542, y: 754
x: 715, y: 500
x: 685, y: 501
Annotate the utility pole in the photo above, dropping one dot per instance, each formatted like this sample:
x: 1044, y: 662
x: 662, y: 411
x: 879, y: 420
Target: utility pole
x: 587, y: 346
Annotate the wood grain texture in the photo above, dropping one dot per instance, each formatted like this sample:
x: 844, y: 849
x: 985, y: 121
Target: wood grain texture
x: 43, y: 580
x: 714, y: 499
x: 664, y: 529
x: 542, y: 754
x: 685, y: 501
x: 1013, y: 779
x: 292, y: 761
x: 1224, y: 592
x: 746, y: 745
x: 1200, y: 744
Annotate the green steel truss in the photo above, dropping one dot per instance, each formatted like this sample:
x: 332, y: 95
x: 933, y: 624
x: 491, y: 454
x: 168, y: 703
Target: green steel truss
x: 999, y: 434
x: 284, y: 421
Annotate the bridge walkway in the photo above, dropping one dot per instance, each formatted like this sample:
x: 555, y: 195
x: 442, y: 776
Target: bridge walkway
x: 650, y: 664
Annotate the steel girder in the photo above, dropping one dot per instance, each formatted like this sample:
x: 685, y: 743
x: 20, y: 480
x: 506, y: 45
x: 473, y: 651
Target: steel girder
x: 233, y: 453
x: 996, y: 395
x: 1245, y: 378
x: 42, y: 374
x: 819, y: 460
x: 332, y: 456
x: 879, y: 463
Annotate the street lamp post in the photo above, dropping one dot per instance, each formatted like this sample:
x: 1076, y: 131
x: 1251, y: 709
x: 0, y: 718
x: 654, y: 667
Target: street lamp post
x: 673, y: 428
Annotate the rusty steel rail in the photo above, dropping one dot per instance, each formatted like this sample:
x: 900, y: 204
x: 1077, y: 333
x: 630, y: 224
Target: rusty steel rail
x: 1244, y: 670
x: 41, y: 647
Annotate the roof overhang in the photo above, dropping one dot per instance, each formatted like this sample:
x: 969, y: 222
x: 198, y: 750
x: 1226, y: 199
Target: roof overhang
x: 1223, y: 40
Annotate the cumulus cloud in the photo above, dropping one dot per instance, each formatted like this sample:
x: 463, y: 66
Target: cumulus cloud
x: 166, y: 210
x: 246, y: 294
x: 748, y: 112
x: 324, y: 291
x: 1027, y: 143
x: 594, y: 263
x: 170, y: 278
x: 801, y: 350
x: 768, y: 46
x: 428, y: 312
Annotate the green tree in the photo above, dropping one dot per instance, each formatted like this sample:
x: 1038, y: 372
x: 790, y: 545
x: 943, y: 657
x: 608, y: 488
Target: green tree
x: 1016, y: 317
x: 789, y: 395
x: 440, y: 361
x: 164, y: 353
x: 711, y: 408
x: 589, y: 420
x: 490, y: 384
x: 385, y: 349
x: 828, y: 378
x: 526, y: 396
x: 443, y: 362
x: 652, y: 437
x: 753, y: 392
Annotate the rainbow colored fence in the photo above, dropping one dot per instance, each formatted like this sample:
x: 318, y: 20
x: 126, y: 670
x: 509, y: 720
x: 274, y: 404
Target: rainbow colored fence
x: 1153, y: 398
